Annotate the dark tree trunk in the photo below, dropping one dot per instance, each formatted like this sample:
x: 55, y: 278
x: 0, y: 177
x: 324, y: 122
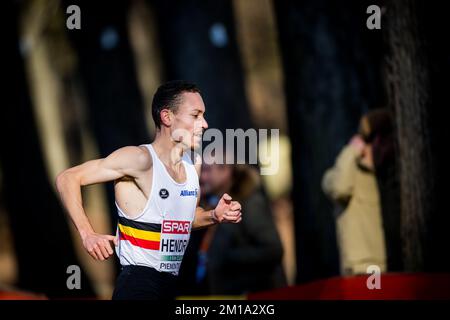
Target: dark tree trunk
x: 41, y: 235
x: 417, y: 71
x: 193, y: 53
x: 409, y: 85
x: 332, y: 75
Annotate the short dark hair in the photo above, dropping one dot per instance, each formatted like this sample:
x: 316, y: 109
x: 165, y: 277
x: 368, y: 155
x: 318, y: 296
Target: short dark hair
x: 168, y: 96
x: 380, y: 123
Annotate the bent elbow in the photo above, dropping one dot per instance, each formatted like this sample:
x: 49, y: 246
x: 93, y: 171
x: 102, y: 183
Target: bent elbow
x: 335, y: 188
x: 327, y: 182
x: 61, y: 179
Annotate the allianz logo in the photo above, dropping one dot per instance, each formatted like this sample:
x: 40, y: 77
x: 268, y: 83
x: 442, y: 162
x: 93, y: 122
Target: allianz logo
x: 187, y: 193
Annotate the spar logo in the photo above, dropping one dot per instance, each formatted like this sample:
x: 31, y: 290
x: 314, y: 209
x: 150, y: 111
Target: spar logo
x: 176, y: 226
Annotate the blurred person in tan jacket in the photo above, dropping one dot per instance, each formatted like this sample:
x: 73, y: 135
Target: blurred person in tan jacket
x: 351, y: 183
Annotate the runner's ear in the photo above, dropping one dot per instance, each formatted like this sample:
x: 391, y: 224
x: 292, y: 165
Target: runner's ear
x: 166, y: 117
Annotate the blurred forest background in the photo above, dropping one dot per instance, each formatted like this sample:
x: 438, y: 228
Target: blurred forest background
x: 310, y: 68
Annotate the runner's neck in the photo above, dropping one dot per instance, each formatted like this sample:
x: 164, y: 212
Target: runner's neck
x: 169, y: 152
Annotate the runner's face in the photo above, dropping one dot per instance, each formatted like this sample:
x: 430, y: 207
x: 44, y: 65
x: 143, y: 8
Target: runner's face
x: 189, y: 122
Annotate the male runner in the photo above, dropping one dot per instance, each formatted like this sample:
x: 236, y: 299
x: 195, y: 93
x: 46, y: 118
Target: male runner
x: 156, y: 192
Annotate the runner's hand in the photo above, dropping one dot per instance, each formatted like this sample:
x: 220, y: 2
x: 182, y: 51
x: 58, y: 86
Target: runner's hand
x: 228, y: 210
x: 99, y: 245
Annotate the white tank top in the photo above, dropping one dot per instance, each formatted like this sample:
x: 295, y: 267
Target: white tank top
x: 158, y: 237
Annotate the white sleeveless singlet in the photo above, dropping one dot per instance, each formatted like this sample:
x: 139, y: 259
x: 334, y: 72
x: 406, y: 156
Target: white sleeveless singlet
x: 158, y: 237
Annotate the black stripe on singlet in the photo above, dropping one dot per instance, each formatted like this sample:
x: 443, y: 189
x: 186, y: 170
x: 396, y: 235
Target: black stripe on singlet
x: 155, y: 227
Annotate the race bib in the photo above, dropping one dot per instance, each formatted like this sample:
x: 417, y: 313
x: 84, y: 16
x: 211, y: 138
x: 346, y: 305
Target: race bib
x: 174, y: 240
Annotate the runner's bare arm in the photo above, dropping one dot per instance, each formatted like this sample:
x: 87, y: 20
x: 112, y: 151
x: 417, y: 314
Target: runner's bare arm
x: 127, y: 161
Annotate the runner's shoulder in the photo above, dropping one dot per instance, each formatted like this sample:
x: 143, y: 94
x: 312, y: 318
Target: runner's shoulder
x: 138, y: 156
